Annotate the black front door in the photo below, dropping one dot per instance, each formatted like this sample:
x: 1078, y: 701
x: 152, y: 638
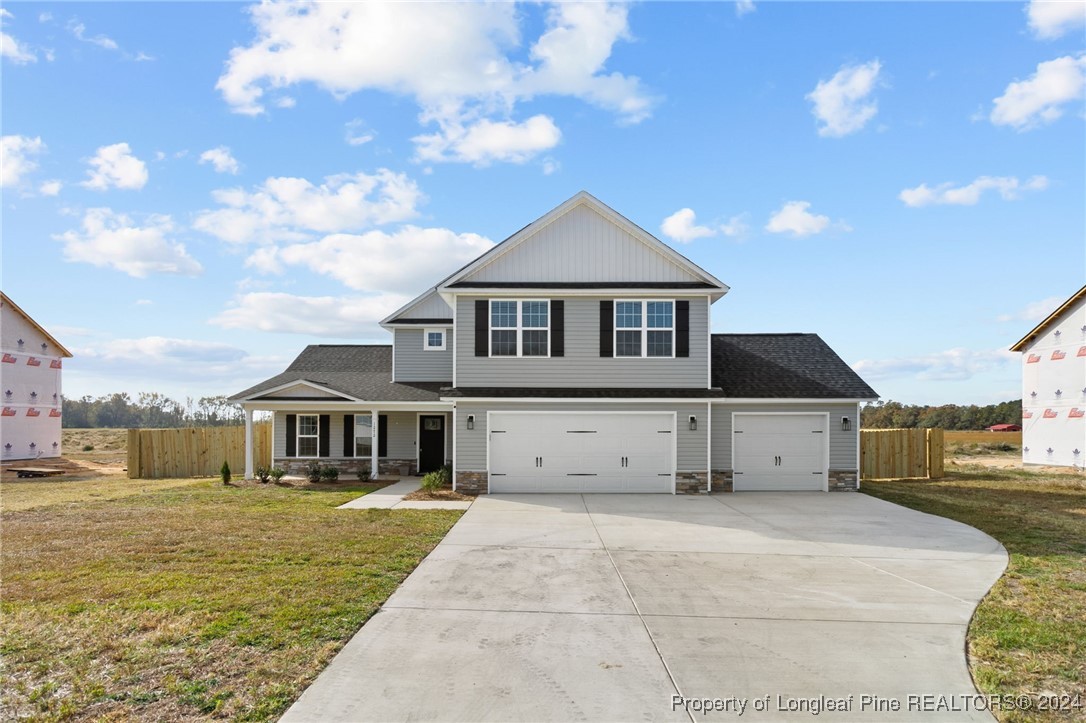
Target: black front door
x: 431, y: 442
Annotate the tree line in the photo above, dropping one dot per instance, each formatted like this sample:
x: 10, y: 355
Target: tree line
x: 150, y: 410
x: 895, y: 415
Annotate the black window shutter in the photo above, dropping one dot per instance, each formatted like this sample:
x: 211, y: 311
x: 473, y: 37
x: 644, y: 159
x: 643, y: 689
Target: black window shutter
x: 558, y: 328
x: 682, y: 328
x: 482, y: 327
x: 324, y: 447
x: 348, y: 435
x: 292, y: 435
x: 382, y: 432
x: 607, y: 326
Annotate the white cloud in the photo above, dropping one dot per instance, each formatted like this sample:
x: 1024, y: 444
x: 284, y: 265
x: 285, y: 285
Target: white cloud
x: 380, y: 261
x: 550, y: 165
x: 841, y: 104
x: 11, y: 48
x: 1008, y: 188
x: 113, y: 240
x: 486, y: 141
x: 395, y: 47
x: 285, y: 101
x: 144, y: 302
x: 1029, y: 104
x: 682, y: 226
x: 15, y: 157
x: 735, y: 226
x: 158, y: 357
x: 325, y: 316
x: 951, y: 365
x: 222, y: 159
x: 79, y: 31
x: 357, y: 133
x: 286, y: 208
x: 1034, y: 311
x: 794, y: 218
x: 743, y: 7
x: 115, y: 167
x: 1049, y: 19
x: 50, y: 188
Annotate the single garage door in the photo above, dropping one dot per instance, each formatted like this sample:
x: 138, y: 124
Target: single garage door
x: 779, y: 451
x: 582, y: 452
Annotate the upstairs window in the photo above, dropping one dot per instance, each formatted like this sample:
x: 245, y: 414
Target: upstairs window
x: 520, y: 328
x: 645, y: 329
x: 433, y: 340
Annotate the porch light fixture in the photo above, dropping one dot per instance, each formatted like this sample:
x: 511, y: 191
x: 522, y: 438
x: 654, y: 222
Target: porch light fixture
x: 471, y: 421
x: 846, y: 424
x: 693, y: 423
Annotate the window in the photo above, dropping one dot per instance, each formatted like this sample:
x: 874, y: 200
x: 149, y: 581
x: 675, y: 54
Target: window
x: 307, y: 435
x: 363, y: 435
x: 645, y: 329
x: 433, y: 340
x: 520, y: 328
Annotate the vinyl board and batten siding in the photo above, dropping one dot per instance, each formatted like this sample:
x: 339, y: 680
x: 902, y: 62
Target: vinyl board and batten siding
x: 304, y: 391
x: 401, y: 434
x: 431, y: 306
x: 416, y: 364
x: 842, y: 444
x: 581, y: 246
x: 471, y: 443
x: 582, y: 365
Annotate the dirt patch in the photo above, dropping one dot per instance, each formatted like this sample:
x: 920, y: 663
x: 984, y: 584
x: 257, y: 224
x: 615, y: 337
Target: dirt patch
x: 441, y: 494
x: 72, y: 469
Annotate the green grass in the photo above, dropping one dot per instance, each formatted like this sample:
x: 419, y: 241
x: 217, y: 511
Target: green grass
x: 192, y: 602
x: 1028, y: 635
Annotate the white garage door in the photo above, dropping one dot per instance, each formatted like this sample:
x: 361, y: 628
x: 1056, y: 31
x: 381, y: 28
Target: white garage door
x: 779, y: 451
x: 578, y: 452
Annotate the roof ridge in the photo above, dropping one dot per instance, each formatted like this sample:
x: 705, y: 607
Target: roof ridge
x: 766, y: 333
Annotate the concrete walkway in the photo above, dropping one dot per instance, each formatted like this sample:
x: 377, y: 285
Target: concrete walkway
x: 392, y: 497
x: 604, y: 607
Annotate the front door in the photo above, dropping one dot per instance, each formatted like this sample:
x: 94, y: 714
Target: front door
x: 431, y: 442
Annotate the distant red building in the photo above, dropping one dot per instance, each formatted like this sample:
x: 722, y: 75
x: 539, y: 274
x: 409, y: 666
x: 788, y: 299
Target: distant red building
x: 1005, y: 428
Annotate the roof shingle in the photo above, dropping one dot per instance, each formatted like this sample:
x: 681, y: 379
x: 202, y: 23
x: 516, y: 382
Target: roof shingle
x: 774, y: 366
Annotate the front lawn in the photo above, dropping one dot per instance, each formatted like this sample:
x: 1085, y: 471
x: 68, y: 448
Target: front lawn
x: 195, y: 601
x: 1029, y: 635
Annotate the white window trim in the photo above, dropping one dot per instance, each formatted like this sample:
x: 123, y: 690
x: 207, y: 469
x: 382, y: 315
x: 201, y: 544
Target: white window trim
x: 373, y: 431
x: 520, y: 329
x: 645, y: 329
x: 426, y: 339
x: 298, y: 437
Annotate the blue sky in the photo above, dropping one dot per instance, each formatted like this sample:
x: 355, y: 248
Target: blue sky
x: 192, y: 192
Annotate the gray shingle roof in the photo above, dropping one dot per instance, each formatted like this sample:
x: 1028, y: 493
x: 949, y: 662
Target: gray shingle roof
x: 755, y: 366
x: 362, y: 372
x: 583, y: 392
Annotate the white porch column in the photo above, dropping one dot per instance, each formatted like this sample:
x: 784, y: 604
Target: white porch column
x: 248, y: 443
x: 376, y: 443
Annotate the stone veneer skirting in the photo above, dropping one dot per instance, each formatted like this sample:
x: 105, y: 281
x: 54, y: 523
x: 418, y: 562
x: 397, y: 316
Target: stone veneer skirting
x: 844, y: 480
x: 722, y: 480
x: 349, y: 466
x: 471, y: 483
x: 691, y: 483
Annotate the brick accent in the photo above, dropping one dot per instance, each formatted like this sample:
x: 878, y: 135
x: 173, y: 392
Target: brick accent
x: 843, y: 480
x: 691, y: 483
x: 722, y: 480
x: 349, y: 466
x: 471, y: 483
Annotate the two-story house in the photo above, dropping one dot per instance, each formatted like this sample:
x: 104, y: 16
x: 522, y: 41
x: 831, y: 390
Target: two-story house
x: 575, y: 356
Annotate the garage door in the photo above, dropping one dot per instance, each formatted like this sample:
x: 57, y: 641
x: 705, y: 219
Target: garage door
x: 779, y: 451
x: 577, y: 452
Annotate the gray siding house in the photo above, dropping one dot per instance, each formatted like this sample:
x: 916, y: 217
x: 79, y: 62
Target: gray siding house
x: 575, y: 356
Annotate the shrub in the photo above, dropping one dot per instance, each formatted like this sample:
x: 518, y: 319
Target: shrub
x: 313, y: 471
x: 437, y: 479
x: 329, y: 473
x: 363, y: 474
x: 224, y: 472
x: 276, y: 473
x: 263, y: 474
x: 88, y: 447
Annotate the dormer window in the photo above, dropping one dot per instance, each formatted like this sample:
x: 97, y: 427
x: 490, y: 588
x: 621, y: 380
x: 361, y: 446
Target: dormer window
x: 433, y: 340
x: 520, y: 328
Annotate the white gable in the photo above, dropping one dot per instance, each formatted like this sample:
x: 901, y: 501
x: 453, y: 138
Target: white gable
x: 427, y: 306
x: 582, y: 246
x: 300, y: 391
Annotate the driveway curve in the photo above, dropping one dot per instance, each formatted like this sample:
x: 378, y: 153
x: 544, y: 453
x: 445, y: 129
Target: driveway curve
x: 771, y: 606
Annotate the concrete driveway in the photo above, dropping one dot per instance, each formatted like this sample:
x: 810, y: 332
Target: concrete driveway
x: 605, y: 607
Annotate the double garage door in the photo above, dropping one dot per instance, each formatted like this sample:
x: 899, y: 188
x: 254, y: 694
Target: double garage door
x: 578, y: 452
x: 779, y: 451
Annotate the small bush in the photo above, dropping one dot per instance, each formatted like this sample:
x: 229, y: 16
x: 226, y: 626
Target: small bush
x: 363, y: 474
x: 88, y: 447
x: 329, y: 473
x: 263, y: 474
x: 276, y: 473
x: 437, y: 479
x: 313, y: 471
x: 224, y: 472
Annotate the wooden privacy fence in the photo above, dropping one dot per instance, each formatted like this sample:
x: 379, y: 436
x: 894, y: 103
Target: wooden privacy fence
x: 194, y: 452
x: 898, y: 453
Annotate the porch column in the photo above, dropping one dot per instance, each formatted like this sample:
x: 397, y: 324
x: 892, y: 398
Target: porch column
x: 376, y: 444
x: 248, y: 443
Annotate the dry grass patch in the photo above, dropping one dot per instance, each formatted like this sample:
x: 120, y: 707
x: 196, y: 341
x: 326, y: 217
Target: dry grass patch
x: 1029, y: 635
x: 25, y: 494
x: 192, y: 602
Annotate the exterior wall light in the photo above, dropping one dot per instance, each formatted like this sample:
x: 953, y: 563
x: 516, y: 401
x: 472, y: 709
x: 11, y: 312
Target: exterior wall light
x: 693, y: 423
x: 846, y: 424
x: 471, y: 421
